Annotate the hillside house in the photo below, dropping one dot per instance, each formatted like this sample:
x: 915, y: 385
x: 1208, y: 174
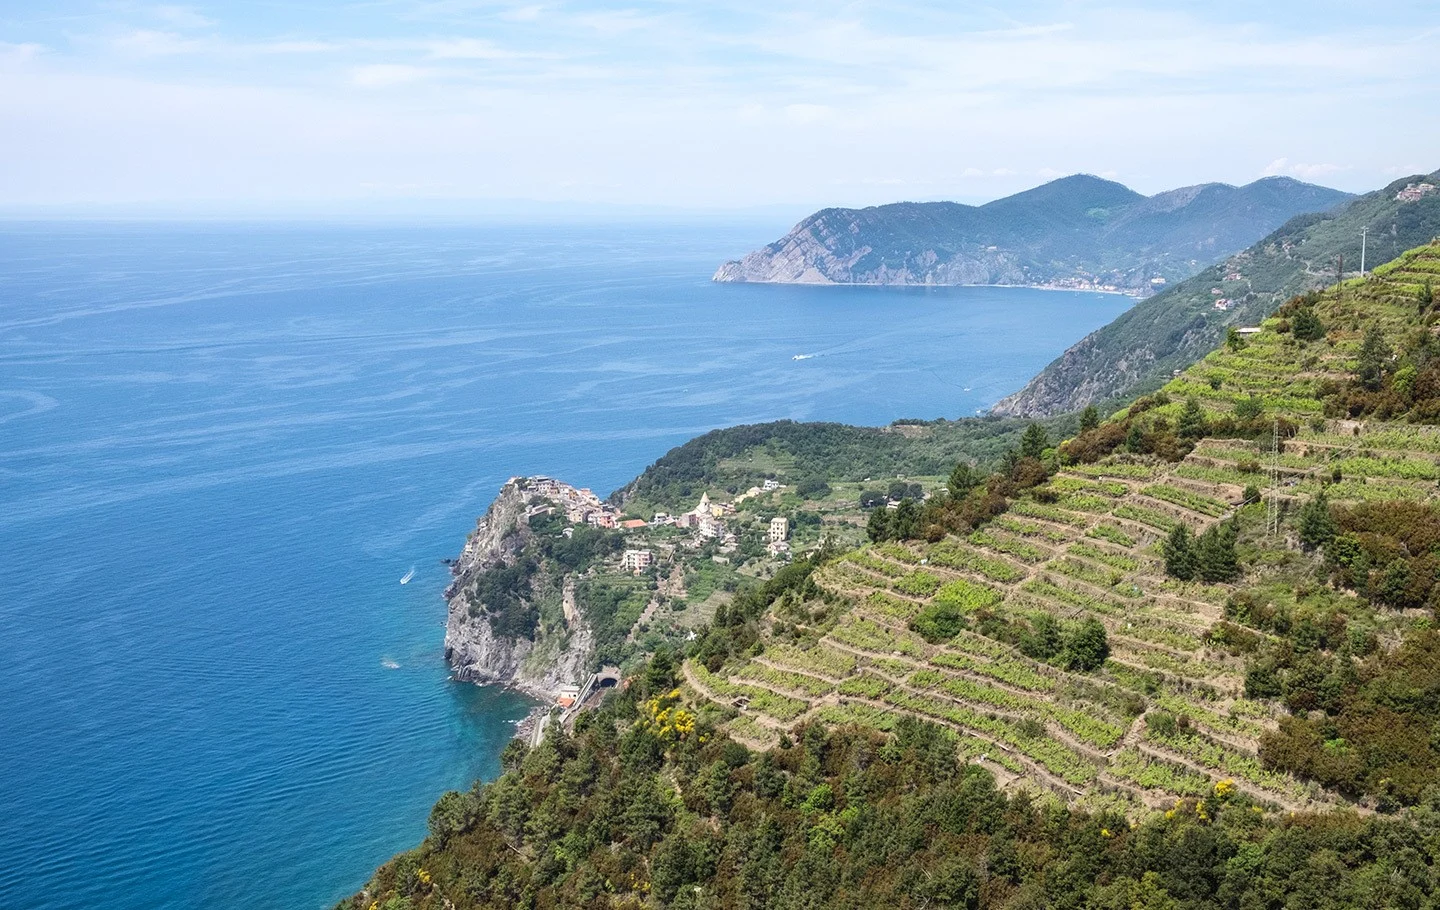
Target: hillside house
x: 779, y: 528
x: 636, y: 561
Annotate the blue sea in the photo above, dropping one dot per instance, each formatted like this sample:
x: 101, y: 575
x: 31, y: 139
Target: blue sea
x: 222, y: 446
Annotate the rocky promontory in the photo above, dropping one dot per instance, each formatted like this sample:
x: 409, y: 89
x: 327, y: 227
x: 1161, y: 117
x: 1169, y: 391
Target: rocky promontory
x: 498, y: 630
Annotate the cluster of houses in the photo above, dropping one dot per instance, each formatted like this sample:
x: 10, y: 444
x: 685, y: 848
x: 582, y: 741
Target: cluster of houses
x: 1415, y: 192
x: 581, y: 505
x: 707, y: 519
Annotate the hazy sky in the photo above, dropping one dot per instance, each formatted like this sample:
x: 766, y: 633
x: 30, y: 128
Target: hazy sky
x: 725, y: 104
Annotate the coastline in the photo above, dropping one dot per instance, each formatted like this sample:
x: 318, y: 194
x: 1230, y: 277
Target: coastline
x: 1134, y: 295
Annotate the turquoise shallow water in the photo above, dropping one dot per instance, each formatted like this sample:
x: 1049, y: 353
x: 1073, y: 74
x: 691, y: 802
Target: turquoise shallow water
x: 221, y: 447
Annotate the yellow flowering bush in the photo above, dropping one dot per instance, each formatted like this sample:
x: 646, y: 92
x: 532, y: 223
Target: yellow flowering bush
x: 664, y: 716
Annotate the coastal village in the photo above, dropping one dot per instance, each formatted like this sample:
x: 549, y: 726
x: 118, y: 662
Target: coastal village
x: 683, y: 565
x: 706, y: 522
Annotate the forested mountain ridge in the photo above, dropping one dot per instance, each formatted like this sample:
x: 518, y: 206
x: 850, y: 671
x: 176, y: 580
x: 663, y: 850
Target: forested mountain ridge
x: 1139, y: 350
x: 1079, y: 231
x: 1186, y: 658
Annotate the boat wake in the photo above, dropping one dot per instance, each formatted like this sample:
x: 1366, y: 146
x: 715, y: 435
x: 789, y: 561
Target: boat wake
x: 408, y: 575
x: 802, y: 356
x: 389, y: 664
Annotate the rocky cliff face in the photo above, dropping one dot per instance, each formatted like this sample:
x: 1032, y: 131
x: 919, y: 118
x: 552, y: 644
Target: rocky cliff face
x: 808, y: 255
x: 540, y: 664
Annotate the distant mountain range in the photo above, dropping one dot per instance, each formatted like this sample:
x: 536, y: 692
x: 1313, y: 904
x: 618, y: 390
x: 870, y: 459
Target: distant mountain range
x: 1078, y: 231
x: 1144, y: 345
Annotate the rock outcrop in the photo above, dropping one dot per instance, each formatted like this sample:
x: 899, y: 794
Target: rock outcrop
x: 808, y: 255
x: 538, y: 664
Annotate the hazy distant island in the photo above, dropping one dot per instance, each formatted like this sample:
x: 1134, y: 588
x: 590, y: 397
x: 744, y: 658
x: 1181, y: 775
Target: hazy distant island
x: 1077, y: 233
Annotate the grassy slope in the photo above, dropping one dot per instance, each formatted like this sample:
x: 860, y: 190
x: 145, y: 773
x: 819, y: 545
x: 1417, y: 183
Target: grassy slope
x: 1094, y: 553
x: 1139, y: 350
x: 737, y: 458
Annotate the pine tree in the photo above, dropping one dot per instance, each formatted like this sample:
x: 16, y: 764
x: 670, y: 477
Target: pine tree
x: 1215, y: 556
x: 1179, y: 553
x: 1135, y: 439
x: 1374, y: 360
x: 962, y: 480
x: 905, y: 523
x: 1086, y: 647
x: 1307, y: 326
x: 1192, y: 423
x: 1426, y: 295
x: 1089, y: 419
x: 1317, y: 528
x: 1035, y: 441
x: 878, y: 528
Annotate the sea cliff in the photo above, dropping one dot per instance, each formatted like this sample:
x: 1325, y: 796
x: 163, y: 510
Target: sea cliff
x: 557, y: 651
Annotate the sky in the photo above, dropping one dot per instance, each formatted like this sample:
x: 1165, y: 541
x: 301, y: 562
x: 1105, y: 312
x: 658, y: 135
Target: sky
x: 416, y: 105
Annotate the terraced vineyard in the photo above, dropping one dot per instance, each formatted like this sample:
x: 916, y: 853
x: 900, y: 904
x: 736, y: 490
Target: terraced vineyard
x: 1085, y: 545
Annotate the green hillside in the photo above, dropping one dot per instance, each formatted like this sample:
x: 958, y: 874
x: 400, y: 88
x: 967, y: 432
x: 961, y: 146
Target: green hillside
x: 1140, y: 349
x: 1079, y: 231
x: 1186, y: 658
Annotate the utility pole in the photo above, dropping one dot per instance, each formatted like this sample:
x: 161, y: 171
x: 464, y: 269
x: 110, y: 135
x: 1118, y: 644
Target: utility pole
x: 1363, y: 231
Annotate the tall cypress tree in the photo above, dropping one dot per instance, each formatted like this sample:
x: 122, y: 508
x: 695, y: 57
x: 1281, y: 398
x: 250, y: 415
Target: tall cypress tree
x: 1180, y: 553
x: 1374, y: 360
x: 1215, y: 556
x: 1317, y: 528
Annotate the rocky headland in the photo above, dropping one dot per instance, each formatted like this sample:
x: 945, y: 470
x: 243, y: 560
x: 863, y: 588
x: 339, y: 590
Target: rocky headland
x: 557, y: 651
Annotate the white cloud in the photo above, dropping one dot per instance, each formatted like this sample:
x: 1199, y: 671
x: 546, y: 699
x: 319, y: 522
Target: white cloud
x: 144, y: 42
x: 289, y: 47
x: 808, y: 113
x: 181, y: 17
x: 17, y: 55
x: 523, y: 13
x: 472, y: 49
x: 1286, y: 167
x: 694, y: 106
x: 384, y: 75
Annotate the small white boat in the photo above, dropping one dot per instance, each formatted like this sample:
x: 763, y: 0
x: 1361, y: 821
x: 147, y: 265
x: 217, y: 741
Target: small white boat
x: 802, y: 356
x: 408, y: 575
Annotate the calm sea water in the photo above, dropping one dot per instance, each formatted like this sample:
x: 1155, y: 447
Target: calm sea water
x: 222, y: 447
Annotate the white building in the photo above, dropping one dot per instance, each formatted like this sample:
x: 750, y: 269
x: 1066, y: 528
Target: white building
x: 779, y: 528
x: 637, y: 561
